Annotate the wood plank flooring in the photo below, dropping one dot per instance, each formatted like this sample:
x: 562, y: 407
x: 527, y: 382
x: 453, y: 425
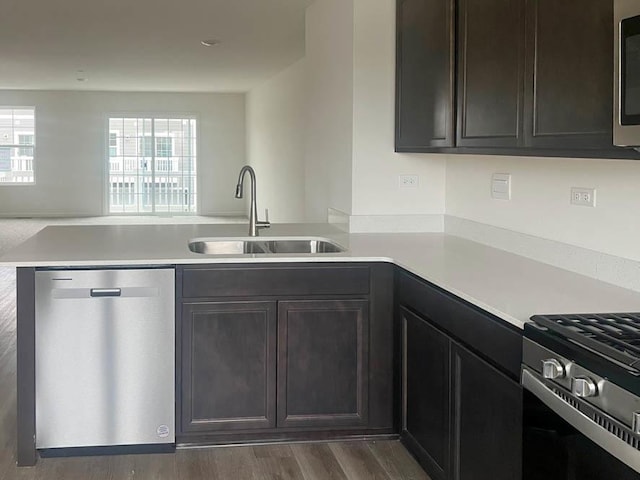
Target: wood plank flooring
x: 384, y: 460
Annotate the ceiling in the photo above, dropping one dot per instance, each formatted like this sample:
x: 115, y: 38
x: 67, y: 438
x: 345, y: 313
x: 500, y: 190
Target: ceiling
x: 147, y: 45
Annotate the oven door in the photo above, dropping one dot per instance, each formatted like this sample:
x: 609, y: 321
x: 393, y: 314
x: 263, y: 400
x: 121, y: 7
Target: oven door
x: 626, y: 125
x: 562, y: 443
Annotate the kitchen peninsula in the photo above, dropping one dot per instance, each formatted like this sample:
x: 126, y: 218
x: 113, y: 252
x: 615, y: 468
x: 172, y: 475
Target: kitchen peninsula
x: 323, y: 346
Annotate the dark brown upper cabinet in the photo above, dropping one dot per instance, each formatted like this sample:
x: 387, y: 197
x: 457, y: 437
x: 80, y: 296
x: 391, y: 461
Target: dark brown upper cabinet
x: 506, y: 77
x: 569, y: 74
x: 425, y: 74
x: 490, y: 73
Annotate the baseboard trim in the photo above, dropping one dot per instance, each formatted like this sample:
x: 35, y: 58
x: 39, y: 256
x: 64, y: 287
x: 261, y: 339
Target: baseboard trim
x: 184, y: 444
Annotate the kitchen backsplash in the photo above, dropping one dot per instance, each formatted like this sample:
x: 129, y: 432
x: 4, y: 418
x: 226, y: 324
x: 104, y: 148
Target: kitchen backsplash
x: 619, y: 271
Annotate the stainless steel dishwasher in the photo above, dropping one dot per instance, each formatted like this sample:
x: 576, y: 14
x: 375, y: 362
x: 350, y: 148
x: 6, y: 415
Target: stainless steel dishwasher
x: 105, y: 357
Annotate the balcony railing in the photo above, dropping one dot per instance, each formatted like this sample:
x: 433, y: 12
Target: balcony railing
x: 142, y: 164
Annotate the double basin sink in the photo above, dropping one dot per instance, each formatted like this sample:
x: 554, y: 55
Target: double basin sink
x: 252, y: 246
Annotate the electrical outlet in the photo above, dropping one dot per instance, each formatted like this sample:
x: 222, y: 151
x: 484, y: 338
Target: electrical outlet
x: 405, y: 181
x: 585, y: 197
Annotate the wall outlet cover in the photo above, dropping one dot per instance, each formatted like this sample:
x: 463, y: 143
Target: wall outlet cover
x: 408, y: 181
x: 584, y: 197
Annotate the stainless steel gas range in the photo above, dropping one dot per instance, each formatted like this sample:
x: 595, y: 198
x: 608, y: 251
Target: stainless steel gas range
x: 581, y: 375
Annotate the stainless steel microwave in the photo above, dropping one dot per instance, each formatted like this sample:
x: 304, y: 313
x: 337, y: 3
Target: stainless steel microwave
x: 626, y: 122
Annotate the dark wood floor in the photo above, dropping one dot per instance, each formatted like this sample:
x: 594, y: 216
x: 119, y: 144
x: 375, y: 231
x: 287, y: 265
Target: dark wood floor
x: 385, y: 460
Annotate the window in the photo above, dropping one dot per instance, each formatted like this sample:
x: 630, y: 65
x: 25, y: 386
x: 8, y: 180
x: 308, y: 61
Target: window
x: 152, y: 165
x: 163, y: 146
x: 26, y: 140
x: 146, y: 146
x: 17, y: 145
x: 113, y: 144
x: 5, y: 159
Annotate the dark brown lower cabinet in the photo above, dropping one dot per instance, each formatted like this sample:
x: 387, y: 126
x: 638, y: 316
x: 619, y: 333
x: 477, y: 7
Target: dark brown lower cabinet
x: 285, y: 352
x: 425, y: 385
x: 251, y: 365
x: 462, y: 417
x: 228, y: 366
x: 323, y: 357
x: 487, y: 420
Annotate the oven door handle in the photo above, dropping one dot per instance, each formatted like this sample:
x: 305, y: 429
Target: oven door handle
x: 590, y: 429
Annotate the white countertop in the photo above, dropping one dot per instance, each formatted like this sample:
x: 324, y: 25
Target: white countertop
x: 509, y: 286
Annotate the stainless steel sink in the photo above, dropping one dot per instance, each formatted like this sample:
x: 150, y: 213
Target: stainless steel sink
x: 242, y: 246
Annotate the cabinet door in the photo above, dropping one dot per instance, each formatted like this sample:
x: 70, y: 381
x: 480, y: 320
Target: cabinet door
x: 487, y: 423
x: 569, y: 73
x: 424, y: 74
x: 323, y: 362
x: 228, y: 366
x: 490, y: 73
x: 426, y: 399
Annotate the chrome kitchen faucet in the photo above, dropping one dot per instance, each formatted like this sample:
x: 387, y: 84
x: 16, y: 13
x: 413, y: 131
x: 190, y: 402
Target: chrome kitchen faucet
x: 254, y: 223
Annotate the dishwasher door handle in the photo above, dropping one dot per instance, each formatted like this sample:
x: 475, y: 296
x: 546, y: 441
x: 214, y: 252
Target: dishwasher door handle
x: 106, y: 292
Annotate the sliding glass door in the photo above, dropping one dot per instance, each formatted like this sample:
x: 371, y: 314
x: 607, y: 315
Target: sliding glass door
x: 152, y: 165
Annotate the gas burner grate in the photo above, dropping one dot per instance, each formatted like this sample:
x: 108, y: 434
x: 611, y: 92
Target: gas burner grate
x: 615, y: 335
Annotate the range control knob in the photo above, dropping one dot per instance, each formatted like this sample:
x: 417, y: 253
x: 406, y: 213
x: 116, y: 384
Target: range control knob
x: 552, y: 369
x: 584, y: 387
x: 636, y: 423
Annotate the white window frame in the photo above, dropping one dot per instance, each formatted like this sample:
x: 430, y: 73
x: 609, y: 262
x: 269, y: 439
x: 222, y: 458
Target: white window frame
x: 16, y: 145
x: 153, y: 116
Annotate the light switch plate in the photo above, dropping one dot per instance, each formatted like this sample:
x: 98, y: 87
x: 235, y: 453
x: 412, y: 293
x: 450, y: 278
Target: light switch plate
x: 501, y: 186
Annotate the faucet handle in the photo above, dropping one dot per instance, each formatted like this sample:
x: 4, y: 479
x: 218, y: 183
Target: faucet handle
x: 266, y: 223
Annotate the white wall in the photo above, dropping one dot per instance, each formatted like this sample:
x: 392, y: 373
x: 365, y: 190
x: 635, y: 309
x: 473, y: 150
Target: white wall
x: 540, y: 199
x: 70, y: 156
x: 350, y: 164
x: 329, y: 120
x: 276, y: 114
x: 375, y: 165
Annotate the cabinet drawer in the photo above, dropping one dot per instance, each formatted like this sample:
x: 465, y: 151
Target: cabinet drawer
x: 241, y: 281
x: 489, y: 336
